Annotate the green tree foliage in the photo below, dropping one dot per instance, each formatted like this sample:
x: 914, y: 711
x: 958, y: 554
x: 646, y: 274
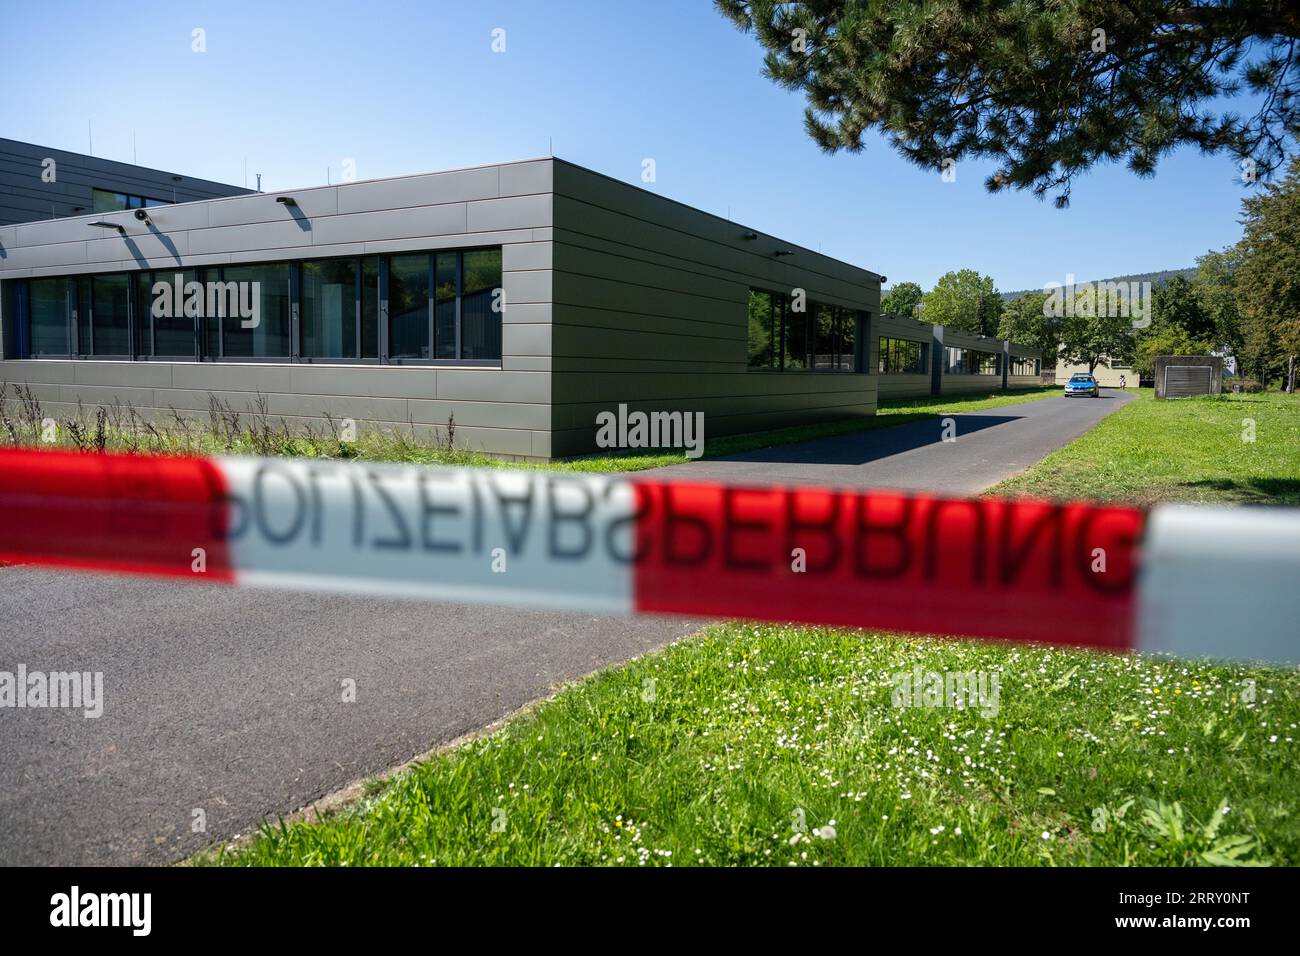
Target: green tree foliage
x: 1033, y: 85
x: 1165, y: 340
x: 1268, y: 279
x: 1215, y: 284
x: 963, y: 300
x: 1094, y: 336
x: 901, y: 299
x: 1025, y: 320
x: 1175, y: 304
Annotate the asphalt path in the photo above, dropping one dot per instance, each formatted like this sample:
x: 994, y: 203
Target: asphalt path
x: 986, y: 447
x: 226, y: 707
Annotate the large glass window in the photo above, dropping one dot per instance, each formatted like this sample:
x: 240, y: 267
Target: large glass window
x: 481, y: 303
x: 444, y: 306
x: 328, y: 311
x: 1023, y: 366
x: 370, y: 308
x: 446, y: 280
x: 110, y: 315
x: 794, y: 336
x: 51, y: 333
x: 105, y: 200
x: 846, y: 331
x: 258, y: 327
x: 825, y: 318
x: 764, y: 336
x: 972, y: 362
x: 408, y: 307
x: 799, y: 334
x: 165, y: 326
x: 902, y: 356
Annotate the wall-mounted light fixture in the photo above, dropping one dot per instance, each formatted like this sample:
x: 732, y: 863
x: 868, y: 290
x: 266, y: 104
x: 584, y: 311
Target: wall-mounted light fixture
x: 750, y: 235
x: 109, y: 225
x: 143, y: 217
x: 286, y: 200
x: 884, y: 279
x: 783, y: 252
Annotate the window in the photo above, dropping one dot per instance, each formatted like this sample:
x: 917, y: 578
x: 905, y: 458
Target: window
x: 764, y: 334
x: 846, y: 336
x: 408, y: 307
x: 370, y: 308
x: 903, y: 357
x: 165, y: 328
x: 328, y: 309
x: 49, y: 311
x: 446, y: 282
x: 480, y: 305
x: 825, y: 344
x: 1023, y: 366
x: 110, y: 325
x: 253, y: 309
x: 971, y: 362
x: 105, y: 200
x: 444, y: 306
x: 818, y: 337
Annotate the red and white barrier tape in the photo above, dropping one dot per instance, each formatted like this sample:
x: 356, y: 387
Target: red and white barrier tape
x: 1199, y: 581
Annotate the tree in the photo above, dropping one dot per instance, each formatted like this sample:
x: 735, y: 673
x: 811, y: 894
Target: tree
x: 1168, y: 340
x: 1026, y: 321
x: 1045, y: 90
x: 1095, y: 336
x: 1216, y: 290
x: 963, y: 300
x: 1175, y: 304
x: 901, y: 299
x: 1268, y: 279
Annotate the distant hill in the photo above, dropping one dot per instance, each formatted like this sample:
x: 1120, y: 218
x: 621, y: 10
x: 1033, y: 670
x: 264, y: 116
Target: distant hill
x: 1155, y: 278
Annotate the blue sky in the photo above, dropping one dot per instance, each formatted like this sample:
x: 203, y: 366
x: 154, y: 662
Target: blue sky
x: 294, y: 89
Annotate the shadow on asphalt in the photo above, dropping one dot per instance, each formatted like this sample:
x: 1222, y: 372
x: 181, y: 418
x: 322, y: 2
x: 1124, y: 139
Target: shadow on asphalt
x: 858, y: 448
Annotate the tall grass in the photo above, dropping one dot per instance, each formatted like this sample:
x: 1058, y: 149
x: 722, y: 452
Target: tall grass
x: 25, y: 423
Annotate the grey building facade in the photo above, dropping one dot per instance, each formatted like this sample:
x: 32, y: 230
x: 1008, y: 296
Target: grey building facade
x: 37, y: 182
x: 521, y: 298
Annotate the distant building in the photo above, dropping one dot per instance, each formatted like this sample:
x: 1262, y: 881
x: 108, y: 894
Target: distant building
x: 38, y: 182
x: 1107, y: 376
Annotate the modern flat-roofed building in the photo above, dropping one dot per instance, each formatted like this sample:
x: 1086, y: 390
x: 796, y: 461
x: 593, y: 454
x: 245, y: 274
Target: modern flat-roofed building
x: 521, y: 298
x: 38, y: 182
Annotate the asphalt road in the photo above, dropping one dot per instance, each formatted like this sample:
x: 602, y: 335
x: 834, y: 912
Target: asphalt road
x: 987, y: 448
x: 231, y: 702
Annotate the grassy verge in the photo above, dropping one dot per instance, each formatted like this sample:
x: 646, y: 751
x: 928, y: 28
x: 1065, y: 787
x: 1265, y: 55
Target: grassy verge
x: 975, y: 402
x: 254, y: 431
x: 1230, y: 448
x: 744, y: 744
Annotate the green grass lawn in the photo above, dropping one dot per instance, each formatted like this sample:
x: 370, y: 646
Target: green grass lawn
x: 975, y: 402
x: 1191, y: 449
x: 767, y: 745
x: 743, y: 744
x: 227, y: 431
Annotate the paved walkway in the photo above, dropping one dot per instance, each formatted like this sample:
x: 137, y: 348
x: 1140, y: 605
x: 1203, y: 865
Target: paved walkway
x: 989, y: 447
x: 230, y: 701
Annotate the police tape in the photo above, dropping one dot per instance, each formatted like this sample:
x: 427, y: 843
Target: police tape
x: 1193, y: 581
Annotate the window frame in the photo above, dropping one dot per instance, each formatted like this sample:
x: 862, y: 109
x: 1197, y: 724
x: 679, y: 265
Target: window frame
x: 849, y: 326
x: 142, y: 329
